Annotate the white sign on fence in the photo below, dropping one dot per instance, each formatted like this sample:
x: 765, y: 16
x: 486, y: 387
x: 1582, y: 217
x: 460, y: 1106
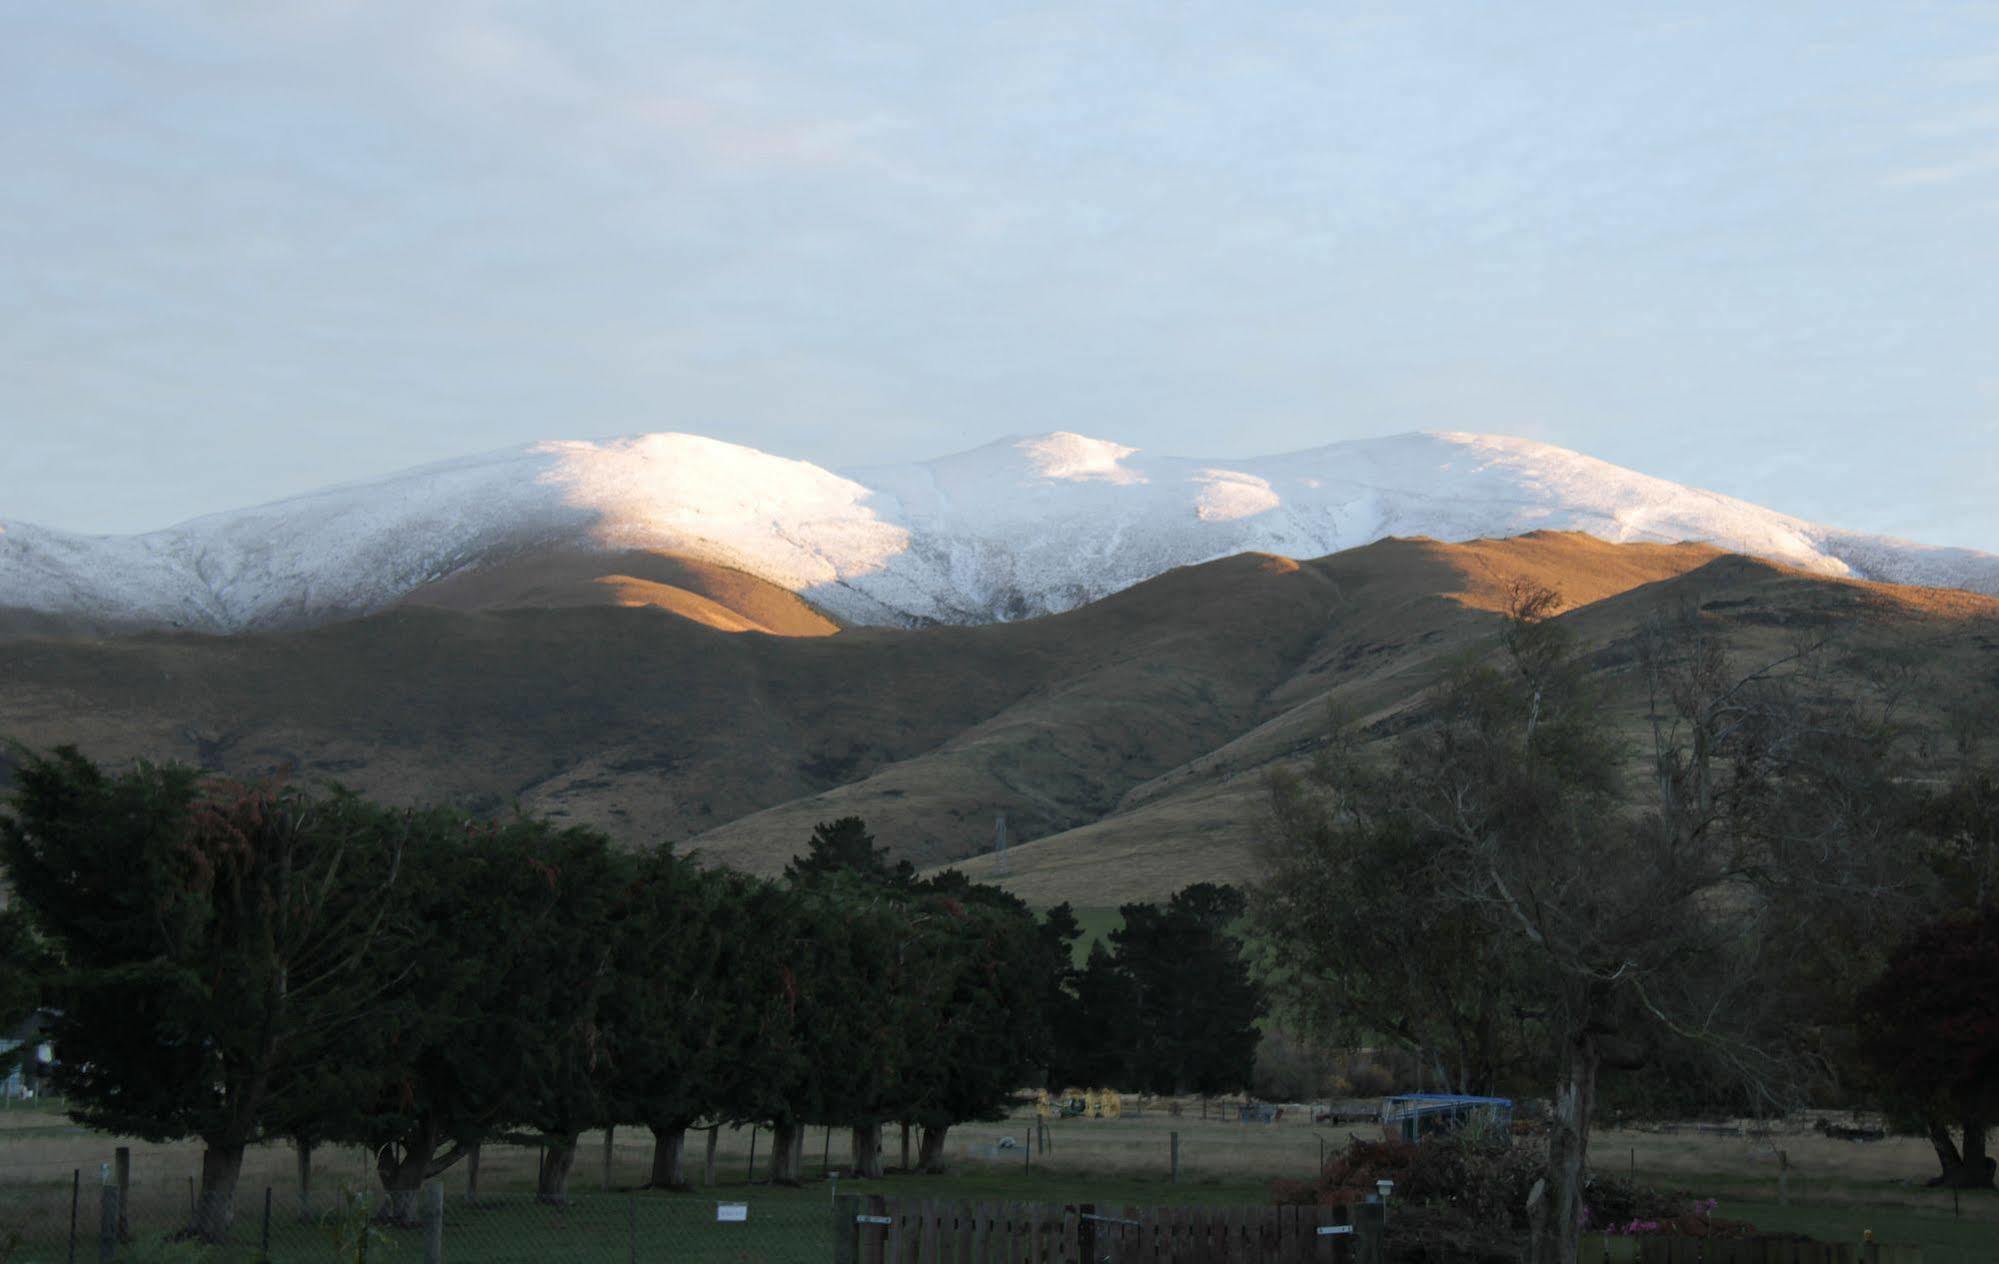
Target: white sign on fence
x: 732, y: 1211
x: 1328, y: 1230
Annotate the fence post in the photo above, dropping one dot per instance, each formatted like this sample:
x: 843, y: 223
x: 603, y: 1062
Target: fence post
x: 1174, y: 1145
x: 631, y: 1228
x: 121, y: 1175
x: 75, y: 1198
x: 609, y: 1130
x: 264, y: 1240
x: 846, y: 1230
x: 1370, y: 1226
x: 107, y: 1225
x: 1086, y: 1233
x: 433, y: 1223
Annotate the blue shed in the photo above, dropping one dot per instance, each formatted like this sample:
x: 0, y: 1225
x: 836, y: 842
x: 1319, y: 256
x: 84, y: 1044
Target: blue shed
x: 1414, y: 1116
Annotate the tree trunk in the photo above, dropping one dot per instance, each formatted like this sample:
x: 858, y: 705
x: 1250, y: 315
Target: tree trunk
x: 215, y: 1209
x: 302, y: 1154
x: 708, y: 1170
x: 552, y: 1186
x: 472, y: 1173
x: 1978, y: 1164
x: 905, y: 1145
x: 1558, y: 1238
x: 406, y: 1162
x: 403, y: 1178
x: 1948, y: 1158
x: 787, y: 1153
x: 930, y: 1154
x: 668, y: 1145
x: 868, y: 1151
x: 1967, y: 1168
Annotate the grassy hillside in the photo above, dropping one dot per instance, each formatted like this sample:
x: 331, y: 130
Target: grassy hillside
x: 1937, y: 649
x: 1126, y: 741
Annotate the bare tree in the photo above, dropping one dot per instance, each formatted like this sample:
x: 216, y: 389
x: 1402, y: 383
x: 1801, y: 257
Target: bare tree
x: 1605, y: 896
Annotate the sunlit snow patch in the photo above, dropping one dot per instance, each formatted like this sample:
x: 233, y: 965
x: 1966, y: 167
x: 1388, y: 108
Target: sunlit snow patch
x: 1078, y: 458
x: 1226, y: 495
x: 788, y: 521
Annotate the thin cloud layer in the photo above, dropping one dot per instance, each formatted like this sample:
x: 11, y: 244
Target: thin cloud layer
x: 252, y: 249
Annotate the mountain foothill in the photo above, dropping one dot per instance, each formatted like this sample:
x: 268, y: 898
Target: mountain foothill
x: 667, y: 697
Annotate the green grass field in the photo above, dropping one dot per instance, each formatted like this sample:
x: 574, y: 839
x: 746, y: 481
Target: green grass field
x: 1836, y: 1189
x: 1969, y: 1239
x: 1097, y: 923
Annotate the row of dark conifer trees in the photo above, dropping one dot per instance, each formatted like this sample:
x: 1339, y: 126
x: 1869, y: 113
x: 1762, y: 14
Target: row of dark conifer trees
x: 238, y: 962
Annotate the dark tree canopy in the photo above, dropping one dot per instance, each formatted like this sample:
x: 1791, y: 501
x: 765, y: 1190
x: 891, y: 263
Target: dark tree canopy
x: 672, y: 1023
x: 1168, y: 1007
x: 1191, y: 997
x: 1510, y: 880
x: 1929, y: 1030
x: 990, y: 1035
x: 846, y: 846
x: 25, y: 967
x: 245, y: 962
x: 1099, y: 1045
x: 217, y: 942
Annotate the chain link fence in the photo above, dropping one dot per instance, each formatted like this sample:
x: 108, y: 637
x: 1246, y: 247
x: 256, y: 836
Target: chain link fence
x: 81, y: 1220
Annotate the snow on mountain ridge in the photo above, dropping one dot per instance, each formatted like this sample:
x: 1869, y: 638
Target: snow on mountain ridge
x: 1024, y: 526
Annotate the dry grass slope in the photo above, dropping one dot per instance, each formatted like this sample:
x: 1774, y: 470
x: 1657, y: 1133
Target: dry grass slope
x: 666, y: 699
x: 707, y: 593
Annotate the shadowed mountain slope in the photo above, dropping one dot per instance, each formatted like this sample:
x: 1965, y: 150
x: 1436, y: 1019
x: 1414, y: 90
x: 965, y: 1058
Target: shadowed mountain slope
x: 1125, y: 740
x: 1938, y: 648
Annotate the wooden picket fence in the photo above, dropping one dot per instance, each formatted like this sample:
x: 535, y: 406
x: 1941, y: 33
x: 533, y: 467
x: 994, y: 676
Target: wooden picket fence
x: 1672, y: 1250
x: 879, y: 1230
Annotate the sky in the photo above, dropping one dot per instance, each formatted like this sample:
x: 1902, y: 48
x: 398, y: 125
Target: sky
x: 248, y: 249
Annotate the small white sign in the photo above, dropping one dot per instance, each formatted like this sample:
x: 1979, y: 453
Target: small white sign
x: 732, y: 1211
x: 883, y: 1220
x: 1327, y: 1231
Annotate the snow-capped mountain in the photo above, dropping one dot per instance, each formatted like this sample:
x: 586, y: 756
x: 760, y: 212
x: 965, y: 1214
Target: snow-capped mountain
x: 1019, y: 527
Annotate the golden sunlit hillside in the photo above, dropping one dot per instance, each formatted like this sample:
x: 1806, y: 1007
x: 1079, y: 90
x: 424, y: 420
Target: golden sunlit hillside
x: 1126, y: 741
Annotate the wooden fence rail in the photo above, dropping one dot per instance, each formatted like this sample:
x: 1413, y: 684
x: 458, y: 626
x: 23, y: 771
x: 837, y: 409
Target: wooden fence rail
x: 1672, y: 1250
x: 878, y: 1230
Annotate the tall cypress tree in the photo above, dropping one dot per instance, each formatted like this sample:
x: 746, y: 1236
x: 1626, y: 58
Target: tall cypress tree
x: 984, y: 1022
x: 1196, y: 1005
x: 571, y: 894
x: 219, y: 943
x: 846, y: 846
x: 672, y: 1023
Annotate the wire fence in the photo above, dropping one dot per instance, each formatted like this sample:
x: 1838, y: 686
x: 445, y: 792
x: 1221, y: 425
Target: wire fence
x: 598, y: 1227
x: 79, y: 1220
x: 51, y: 1176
